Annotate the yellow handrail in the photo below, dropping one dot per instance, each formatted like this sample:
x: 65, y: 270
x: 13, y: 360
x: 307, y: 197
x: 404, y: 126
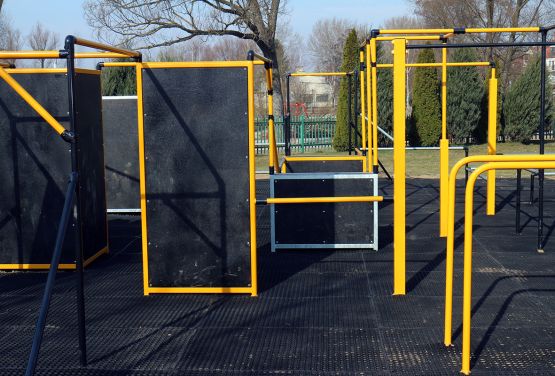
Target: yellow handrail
x: 449, y: 257
x: 468, y: 221
x: 312, y: 200
x: 319, y: 74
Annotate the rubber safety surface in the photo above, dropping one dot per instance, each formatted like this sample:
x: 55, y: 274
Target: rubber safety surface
x: 318, y: 312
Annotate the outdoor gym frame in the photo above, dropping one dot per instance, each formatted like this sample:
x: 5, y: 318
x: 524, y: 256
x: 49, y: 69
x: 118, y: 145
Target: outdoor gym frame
x: 400, y: 47
x: 351, y: 76
x: 73, y: 189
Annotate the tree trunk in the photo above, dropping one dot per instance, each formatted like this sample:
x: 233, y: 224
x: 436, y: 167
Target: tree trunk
x: 279, y: 95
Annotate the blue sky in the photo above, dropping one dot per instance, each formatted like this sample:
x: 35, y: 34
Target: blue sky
x: 66, y: 16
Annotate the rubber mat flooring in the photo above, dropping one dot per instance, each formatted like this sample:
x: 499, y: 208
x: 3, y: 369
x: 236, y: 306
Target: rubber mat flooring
x: 318, y: 312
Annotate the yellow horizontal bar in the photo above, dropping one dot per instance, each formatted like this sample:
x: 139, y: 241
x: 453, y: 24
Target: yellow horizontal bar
x: 47, y: 266
x: 105, y: 47
x: 119, y: 64
x: 319, y: 159
x: 53, y: 54
x: 34, y: 266
x: 199, y: 290
x: 438, y: 65
x: 319, y: 74
x: 100, y: 55
x: 313, y: 200
x: 198, y: 64
x: 466, y: 30
x: 416, y: 31
x: 412, y: 37
x: 460, y: 64
x: 533, y: 29
x: 49, y: 71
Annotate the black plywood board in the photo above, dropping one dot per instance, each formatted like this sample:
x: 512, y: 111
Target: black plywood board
x: 121, y: 152
x: 35, y: 165
x: 197, y: 177
x: 324, y: 166
x: 90, y: 146
x: 323, y: 223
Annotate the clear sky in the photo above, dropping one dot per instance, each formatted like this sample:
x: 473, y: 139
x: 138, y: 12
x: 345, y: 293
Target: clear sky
x: 66, y: 16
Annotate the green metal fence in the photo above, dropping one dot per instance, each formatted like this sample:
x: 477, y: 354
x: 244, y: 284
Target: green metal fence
x: 307, y: 133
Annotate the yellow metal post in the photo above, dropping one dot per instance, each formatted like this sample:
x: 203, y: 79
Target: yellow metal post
x: 362, y: 104
x: 374, y: 59
x: 369, y: 101
x: 272, y: 151
x: 399, y: 119
x: 443, y: 149
x: 252, y: 181
x: 492, y: 140
x: 142, y: 174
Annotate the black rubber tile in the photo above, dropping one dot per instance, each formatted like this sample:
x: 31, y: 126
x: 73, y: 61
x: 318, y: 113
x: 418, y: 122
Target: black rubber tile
x: 313, y: 285
x: 291, y: 349
x: 326, y: 312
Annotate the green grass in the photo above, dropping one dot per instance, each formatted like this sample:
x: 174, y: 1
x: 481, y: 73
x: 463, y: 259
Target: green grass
x: 425, y: 163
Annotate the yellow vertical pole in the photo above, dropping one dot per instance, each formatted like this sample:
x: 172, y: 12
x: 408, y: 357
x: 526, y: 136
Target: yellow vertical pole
x: 252, y: 179
x: 142, y: 174
x: 492, y: 139
x: 443, y: 150
x: 467, y: 272
x: 362, y: 99
x: 374, y: 57
x: 272, y: 151
x: 399, y: 119
x: 369, y: 102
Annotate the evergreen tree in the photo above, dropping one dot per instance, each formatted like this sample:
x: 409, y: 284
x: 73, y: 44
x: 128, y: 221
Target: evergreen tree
x: 522, y: 105
x: 426, y: 106
x: 119, y: 81
x: 385, y: 97
x: 465, y: 92
x: 350, y: 63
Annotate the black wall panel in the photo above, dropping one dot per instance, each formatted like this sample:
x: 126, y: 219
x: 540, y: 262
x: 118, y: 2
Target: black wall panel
x: 35, y: 165
x: 197, y: 182
x: 121, y: 152
x: 324, y: 166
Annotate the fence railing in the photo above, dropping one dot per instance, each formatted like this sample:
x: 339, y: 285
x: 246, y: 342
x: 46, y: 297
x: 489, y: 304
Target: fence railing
x: 307, y: 133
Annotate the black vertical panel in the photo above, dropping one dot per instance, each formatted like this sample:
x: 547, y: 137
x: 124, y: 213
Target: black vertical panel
x: 197, y: 179
x: 35, y: 165
x: 121, y: 152
x: 88, y: 125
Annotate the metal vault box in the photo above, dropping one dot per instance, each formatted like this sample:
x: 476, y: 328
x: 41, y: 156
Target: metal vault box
x: 324, y: 225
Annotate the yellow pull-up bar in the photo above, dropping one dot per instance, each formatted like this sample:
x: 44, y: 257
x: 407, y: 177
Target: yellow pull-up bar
x: 478, y: 30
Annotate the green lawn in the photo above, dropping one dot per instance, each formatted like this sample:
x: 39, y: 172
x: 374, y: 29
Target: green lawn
x: 425, y: 163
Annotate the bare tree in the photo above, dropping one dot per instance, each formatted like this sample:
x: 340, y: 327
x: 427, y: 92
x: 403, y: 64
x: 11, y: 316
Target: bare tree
x: 41, y: 39
x: 10, y: 37
x: 325, y: 45
x: 157, y: 23
x: 490, y: 13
